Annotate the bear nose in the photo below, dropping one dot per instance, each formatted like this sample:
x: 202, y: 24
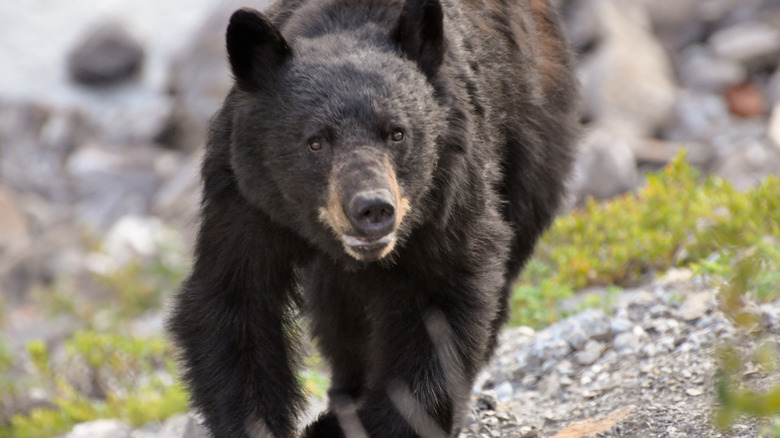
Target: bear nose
x: 372, y: 212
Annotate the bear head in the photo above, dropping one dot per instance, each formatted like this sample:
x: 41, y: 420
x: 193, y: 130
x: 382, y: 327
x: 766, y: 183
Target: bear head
x: 335, y: 123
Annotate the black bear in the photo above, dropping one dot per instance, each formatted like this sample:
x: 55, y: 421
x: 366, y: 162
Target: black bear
x: 384, y: 168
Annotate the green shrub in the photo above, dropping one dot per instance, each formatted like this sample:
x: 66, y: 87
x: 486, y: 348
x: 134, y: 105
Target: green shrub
x: 677, y: 219
x: 736, y: 396
x: 129, y: 378
x: 138, y: 287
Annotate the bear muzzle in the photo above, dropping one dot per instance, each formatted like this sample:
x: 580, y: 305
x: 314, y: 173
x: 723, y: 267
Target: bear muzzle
x: 366, y: 218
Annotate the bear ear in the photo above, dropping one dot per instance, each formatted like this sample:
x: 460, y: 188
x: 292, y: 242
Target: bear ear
x: 420, y: 34
x: 255, y: 48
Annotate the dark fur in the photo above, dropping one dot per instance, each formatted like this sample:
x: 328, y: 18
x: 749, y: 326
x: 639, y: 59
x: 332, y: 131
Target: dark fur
x: 484, y: 92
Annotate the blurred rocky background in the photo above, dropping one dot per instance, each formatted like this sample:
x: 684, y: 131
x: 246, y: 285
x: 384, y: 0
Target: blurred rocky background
x: 104, y: 107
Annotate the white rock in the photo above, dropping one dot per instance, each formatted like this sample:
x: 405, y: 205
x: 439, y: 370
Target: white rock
x: 746, y: 42
x: 505, y: 392
x: 100, y: 429
x: 605, y: 166
x: 614, y: 93
x: 773, y: 131
x: 132, y: 238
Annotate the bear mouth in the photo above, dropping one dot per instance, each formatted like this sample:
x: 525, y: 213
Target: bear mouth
x: 368, y: 249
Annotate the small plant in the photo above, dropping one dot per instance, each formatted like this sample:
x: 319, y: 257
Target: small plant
x: 736, y: 397
x: 7, y: 387
x: 126, y: 378
x: 138, y: 287
x: 677, y: 219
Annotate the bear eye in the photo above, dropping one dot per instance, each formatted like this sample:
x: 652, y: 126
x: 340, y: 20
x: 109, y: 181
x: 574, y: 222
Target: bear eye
x: 397, y: 134
x: 315, y: 145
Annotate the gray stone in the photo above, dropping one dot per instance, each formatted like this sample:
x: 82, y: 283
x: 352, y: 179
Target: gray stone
x: 14, y: 228
x: 657, y: 153
x: 717, y: 10
x: 696, y: 305
x: 100, y: 429
x: 200, y: 78
x: 620, y: 325
x: 748, y: 162
x: 770, y: 316
x: 36, y: 141
x: 504, y: 392
x: 605, y: 166
x: 627, y: 50
x: 16, y: 245
x: 773, y: 88
x: 747, y: 42
x: 700, y: 69
x: 112, y: 182
x: 675, y: 21
x: 665, y: 326
x: 178, y: 199
x: 108, y: 54
x: 698, y: 116
x: 629, y: 342
x: 591, y: 353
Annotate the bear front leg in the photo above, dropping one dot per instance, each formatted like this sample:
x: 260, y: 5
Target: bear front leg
x: 232, y: 323
x: 423, y: 365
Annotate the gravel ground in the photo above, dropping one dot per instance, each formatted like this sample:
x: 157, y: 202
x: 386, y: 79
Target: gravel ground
x: 644, y: 368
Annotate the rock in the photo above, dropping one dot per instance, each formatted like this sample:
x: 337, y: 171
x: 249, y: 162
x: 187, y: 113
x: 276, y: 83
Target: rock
x: 178, y: 199
x: 200, y: 78
x: 590, y: 353
x: 717, y: 10
x: 100, y: 429
x: 773, y: 131
x: 15, y: 248
x: 676, y: 22
x: 750, y: 43
x: 748, y: 162
x: 176, y: 427
x: 132, y: 239
x: 14, y: 229
x: 700, y: 69
x: 627, y: 51
x: 36, y: 142
x: 770, y: 316
x: 504, y: 392
x: 698, y: 116
x: 657, y: 153
x: 605, y: 166
x: 694, y: 392
x: 773, y: 88
x: 112, y: 182
x: 107, y: 54
x: 620, y: 325
x: 746, y: 100
x: 629, y: 342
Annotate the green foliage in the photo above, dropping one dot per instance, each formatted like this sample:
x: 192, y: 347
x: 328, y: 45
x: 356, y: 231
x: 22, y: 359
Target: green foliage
x: 535, y: 298
x: 7, y: 387
x: 735, y: 395
x: 139, y: 287
x: 129, y: 378
x: 677, y: 219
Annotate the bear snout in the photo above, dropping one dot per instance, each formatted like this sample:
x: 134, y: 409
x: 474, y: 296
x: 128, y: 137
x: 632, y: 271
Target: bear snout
x: 372, y: 213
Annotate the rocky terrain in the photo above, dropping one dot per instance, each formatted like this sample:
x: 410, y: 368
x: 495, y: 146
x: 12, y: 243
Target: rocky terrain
x: 101, y: 133
x: 642, y: 367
